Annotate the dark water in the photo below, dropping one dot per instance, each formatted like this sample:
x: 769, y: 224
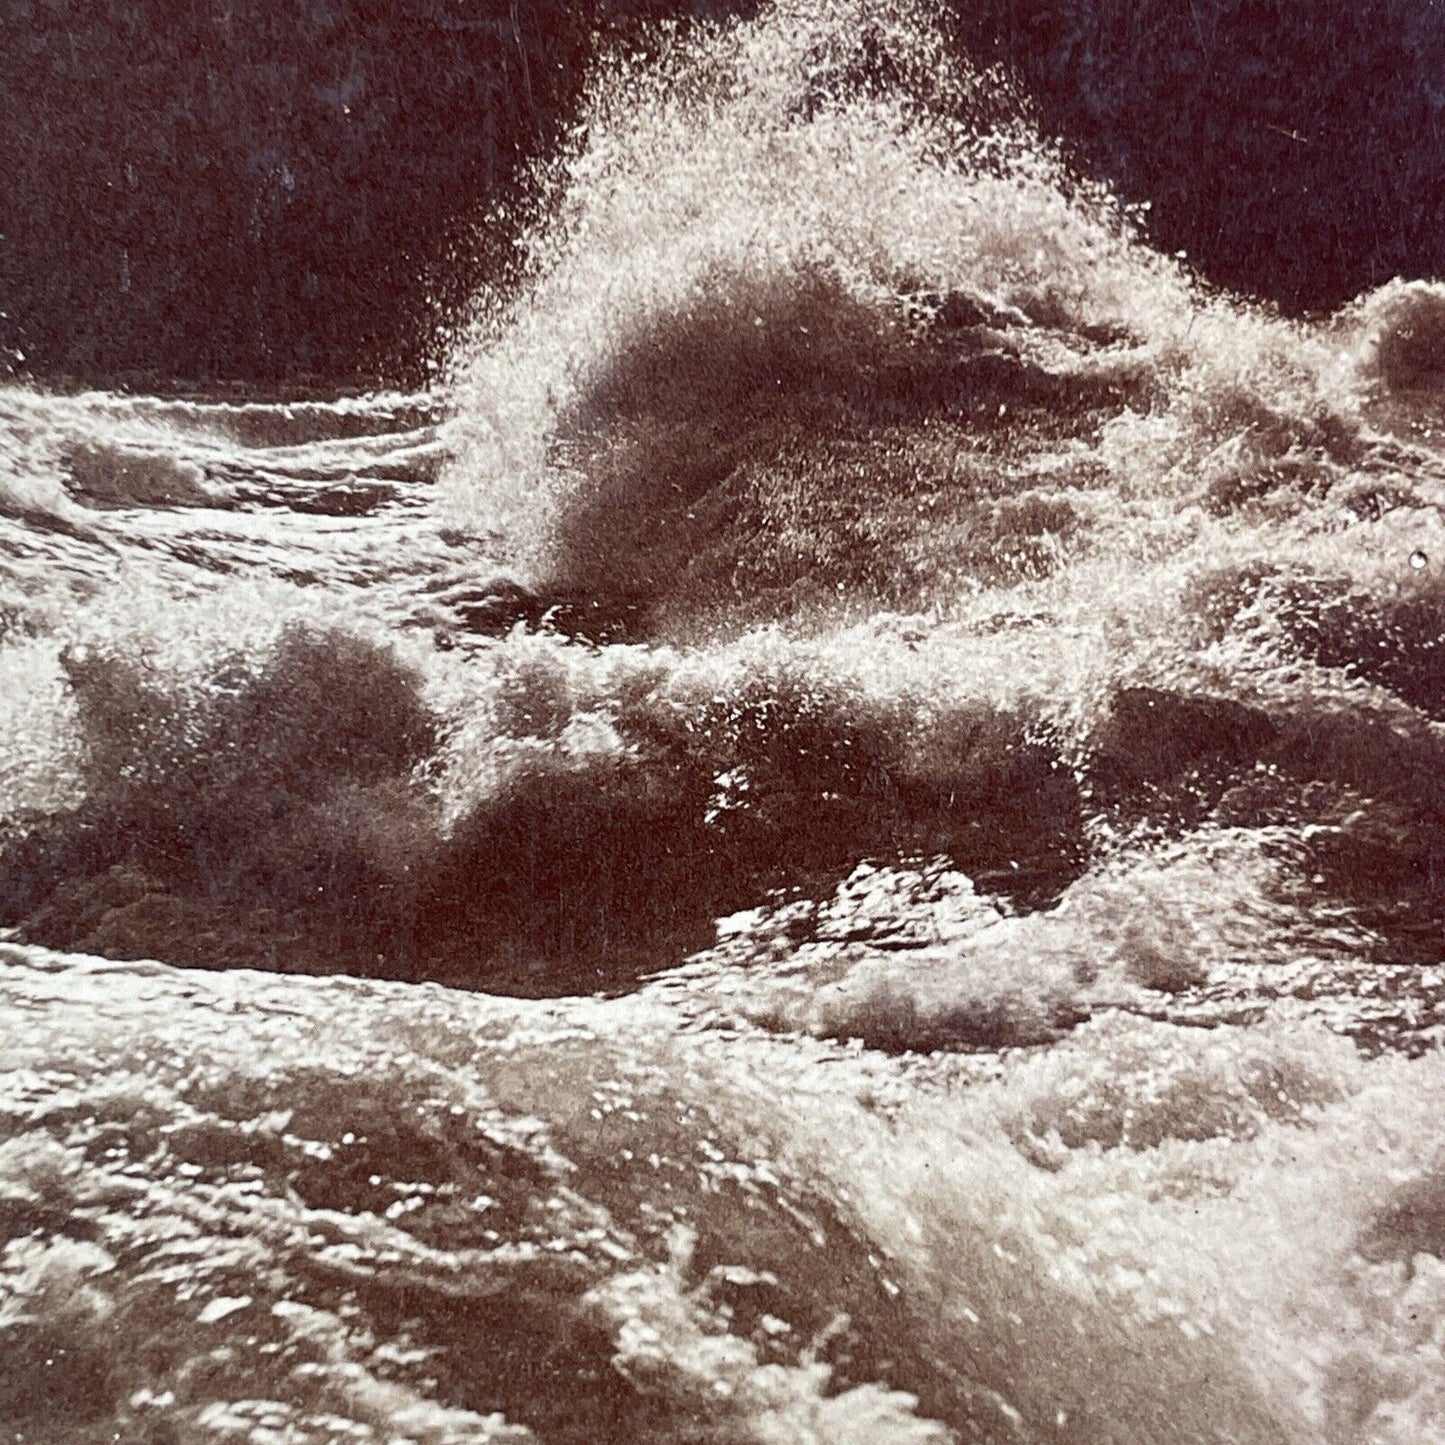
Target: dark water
x: 867, y: 776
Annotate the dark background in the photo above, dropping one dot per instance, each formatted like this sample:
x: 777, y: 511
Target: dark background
x: 288, y: 191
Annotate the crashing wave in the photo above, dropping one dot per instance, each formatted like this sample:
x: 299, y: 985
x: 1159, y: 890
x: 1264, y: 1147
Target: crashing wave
x: 969, y: 698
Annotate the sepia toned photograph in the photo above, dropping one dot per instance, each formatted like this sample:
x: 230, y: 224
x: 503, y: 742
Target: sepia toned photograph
x: 722, y: 722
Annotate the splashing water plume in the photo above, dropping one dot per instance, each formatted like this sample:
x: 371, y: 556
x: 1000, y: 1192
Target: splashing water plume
x: 866, y: 779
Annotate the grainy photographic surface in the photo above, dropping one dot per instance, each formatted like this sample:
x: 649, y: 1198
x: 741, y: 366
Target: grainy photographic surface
x: 722, y: 723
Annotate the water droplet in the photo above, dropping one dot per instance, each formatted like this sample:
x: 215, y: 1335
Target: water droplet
x: 1418, y: 560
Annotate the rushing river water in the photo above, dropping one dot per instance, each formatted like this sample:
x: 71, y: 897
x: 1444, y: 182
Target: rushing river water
x: 840, y: 838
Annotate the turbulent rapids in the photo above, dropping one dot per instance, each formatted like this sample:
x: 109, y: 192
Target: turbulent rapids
x: 841, y: 837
